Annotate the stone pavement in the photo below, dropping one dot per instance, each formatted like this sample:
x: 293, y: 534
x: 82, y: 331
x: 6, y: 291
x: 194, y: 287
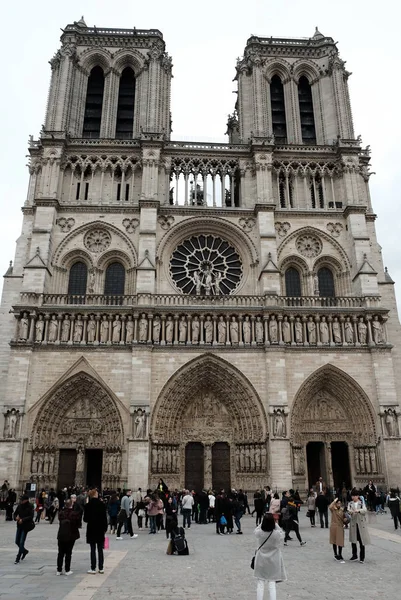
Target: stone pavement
x: 217, y: 567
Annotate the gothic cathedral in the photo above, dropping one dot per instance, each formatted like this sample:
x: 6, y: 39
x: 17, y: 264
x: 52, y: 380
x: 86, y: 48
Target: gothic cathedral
x: 217, y: 315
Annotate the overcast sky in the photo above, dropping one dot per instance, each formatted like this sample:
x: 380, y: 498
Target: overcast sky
x: 204, y: 39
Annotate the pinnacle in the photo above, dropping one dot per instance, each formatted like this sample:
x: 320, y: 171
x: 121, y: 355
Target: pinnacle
x: 81, y: 22
x: 317, y: 35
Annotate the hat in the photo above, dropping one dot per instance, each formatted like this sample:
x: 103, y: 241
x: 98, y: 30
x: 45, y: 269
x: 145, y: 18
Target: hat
x: 24, y: 497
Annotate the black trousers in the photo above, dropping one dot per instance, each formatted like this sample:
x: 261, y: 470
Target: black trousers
x: 396, y: 519
x: 324, y: 515
x: 361, y: 546
x: 129, y: 524
x: 99, y: 547
x: 290, y: 525
x: 338, y: 550
x: 312, y: 517
x: 64, y: 552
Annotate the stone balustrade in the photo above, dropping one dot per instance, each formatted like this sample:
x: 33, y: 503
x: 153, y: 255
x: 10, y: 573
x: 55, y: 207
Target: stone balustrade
x: 287, y: 327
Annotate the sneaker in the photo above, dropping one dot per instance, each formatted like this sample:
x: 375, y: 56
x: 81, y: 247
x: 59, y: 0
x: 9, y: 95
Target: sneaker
x: 135, y: 535
x: 290, y: 538
x: 342, y: 561
x: 337, y: 557
x: 140, y: 529
x: 69, y: 572
x: 119, y: 538
x: 302, y: 544
x: 25, y: 552
x: 58, y: 573
x: 101, y: 571
x: 285, y: 544
x: 362, y: 562
x: 239, y: 532
x: 91, y: 572
x: 16, y: 562
x: 354, y: 558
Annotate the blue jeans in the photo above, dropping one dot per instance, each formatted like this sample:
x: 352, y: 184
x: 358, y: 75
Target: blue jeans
x: 152, y: 520
x: 20, y: 539
x: 237, y: 519
x: 99, y: 546
x: 186, y: 515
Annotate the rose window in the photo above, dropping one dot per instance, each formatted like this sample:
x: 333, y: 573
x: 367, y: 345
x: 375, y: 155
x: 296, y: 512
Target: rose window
x: 309, y: 245
x: 206, y: 265
x: 97, y: 240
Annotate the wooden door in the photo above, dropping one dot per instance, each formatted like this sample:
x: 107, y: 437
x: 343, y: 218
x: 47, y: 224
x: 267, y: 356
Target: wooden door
x: 221, y: 471
x: 194, y: 466
x: 66, y: 468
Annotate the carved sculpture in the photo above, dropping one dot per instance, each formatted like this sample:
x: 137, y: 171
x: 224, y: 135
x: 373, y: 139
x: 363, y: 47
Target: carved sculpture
x: 91, y: 329
x: 311, y: 326
x: 390, y: 421
x: 349, y: 331
x: 279, y: 428
x: 129, y: 330
x: 169, y: 329
x: 78, y: 329
x: 336, y: 331
x: 234, y: 330
x: 182, y: 330
x: 324, y: 331
x: 208, y: 330
x: 221, y: 330
x: 140, y: 424
x: 143, y: 329
x: 156, y: 329
x: 246, y: 330
x: 362, y: 330
x: 65, y: 329
x: 11, y: 422
x: 116, y: 330
x: 286, y: 327
x: 299, y: 337
x: 53, y: 329
x: 377, y: 330
x: 39, y: 328
x: 195, y: 330
x: 23, y: 327
x: 273, y: 330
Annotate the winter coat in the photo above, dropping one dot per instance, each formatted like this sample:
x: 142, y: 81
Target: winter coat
x: 337, y: 525
x: 321, y: 503
x: 274, y: 507
x: 269, y: 563
x: 359, y: 519
x: 25, y: 512
x: 259, y: 505
x: 154, y: 507
x: 311, y: 503
x: 70, y: 521
x: 113, y: 508
x: 96, y: 518
x: 394, y: 506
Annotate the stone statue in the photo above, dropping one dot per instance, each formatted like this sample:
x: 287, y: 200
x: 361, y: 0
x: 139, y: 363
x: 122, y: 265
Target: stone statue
x: 311, y: 326
x: 217, y: 283
x: 116, y: 330
x: 39, y: 328
x: 195, y: 330
x: 156, y: 329
x: 279, y: 424
x: 65, y: 329
x: 46, y: 463
x: 273, y: 330
x: 11, y: 422
x: 208, y: 461
x: 221, y: 330
x: 91, y: 282
x: 24, y: 327
x: 197, y: 282
x: 208, y: 282
x: 316, y: 291
x: 182, y: 330
x: 208, y: 330
x: 242, y: 458
x: 373, y: 461
x: 234, y: 330
x: 263, y: 458
x: 390, y: 421
x: 377, y: 330
x: 357, y: 460
x: 324, y: 331
x: 362, y: 330
x: 143, y: 329
x: 91, y: 329
x: 51, y: 463
x: 169, y: 329
x: 297, y: 461
x: 336, y: 331
x: 257, y: 458
x: 104, y: 330
x: 246, y: 330
x: 299, y: 337
x: 80, y: 460
x: 140, y: 424
x: 78, y: 329
x: 286, y: 327
x: 367, y: 460
x: 349, y: 331
x: 259, y: 333
x: 118, y: 463
x: 129, y: 330
x: 53, y: 329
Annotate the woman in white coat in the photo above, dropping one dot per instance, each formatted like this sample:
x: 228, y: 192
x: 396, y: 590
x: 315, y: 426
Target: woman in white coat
x: 269, y: 564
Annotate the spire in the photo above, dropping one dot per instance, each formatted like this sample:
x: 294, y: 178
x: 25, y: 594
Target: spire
x: 387, y: 276
x: 81, y: 22
x: 317, y: 35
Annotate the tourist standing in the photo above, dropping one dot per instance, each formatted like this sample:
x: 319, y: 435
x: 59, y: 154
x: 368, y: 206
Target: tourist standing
x: 187, y: 504
x: 394, y: 506
x: 259, y: 506
x: 337, y: 529
x: 10, y: 501
x: 171, y: 516
x: 124, y: 516
x: 96, y: 518
x: 152, y: 511
x: 269, y: 565
x: 23, y: 515
x: 322, y: 504
x: 358, y: 531
x: 113, y: 508
x: 68, y: 533
x: 274, y: 507
x: 212, y: 503
x: 311, y: 507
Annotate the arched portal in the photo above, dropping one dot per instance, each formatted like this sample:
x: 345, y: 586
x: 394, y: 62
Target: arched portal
x: 77, y: 436
x: 333, y: 431
x: 209, y: 402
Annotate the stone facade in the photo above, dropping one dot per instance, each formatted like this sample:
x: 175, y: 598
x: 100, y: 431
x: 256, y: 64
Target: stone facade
x: 212, y: 314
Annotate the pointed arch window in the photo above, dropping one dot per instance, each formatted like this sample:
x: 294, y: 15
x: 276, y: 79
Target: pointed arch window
x: 317, y: 191
x: 292, y: 282
x: 285, y: 190
x: 278, y: 110
x: 125, y: 108
x: 94, y: 104
x: 306, y: 111
x: 78, y: 279
x: 326, y: 283
x: 115, y: 280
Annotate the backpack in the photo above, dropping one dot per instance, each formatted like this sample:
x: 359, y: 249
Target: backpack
x: 285, y: 512
x: 180, y: 545
x: 64, y: 532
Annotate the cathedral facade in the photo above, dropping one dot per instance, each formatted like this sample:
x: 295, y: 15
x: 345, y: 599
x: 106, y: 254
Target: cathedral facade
x: 212, y: 314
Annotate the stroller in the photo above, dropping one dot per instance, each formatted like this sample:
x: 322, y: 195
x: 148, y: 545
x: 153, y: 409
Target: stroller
x: 178, y: 543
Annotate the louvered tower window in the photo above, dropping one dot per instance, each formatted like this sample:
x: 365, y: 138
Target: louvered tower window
x: 77, y: 280
x: 306, y: 111
x: 292, y: 282
x: 94, y: 104
x: 278, y: 110
x: 326, y: 283
x: 115, y: 280
x: 125, y: 109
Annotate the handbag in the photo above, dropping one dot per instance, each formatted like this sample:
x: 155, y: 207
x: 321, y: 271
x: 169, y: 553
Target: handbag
x: 307, y: 513
x: 29, y: 526
x: 253, y: 557
x: 223, y: 520
x: 106, y: 542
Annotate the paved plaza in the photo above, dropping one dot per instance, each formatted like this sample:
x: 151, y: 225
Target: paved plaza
x: 217, y: 567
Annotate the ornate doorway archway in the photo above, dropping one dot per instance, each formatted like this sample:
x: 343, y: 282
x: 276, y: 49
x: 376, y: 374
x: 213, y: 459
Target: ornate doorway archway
x: 210, y: 402
x: 77, y: 421
x: 332, y: 416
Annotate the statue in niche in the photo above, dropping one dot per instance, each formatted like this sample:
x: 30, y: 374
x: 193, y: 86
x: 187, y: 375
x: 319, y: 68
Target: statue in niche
x: 246, y: 330
x: 129, y: 330
x: 242, y: 458
x: 53, y: 329
x: 237, y: 458
x: 286, y: 331
x: 324, y: 331
x: 390, y: 421
x: 46, y: 462
x: 143, y: 328
x: 116, y: 330
x: 118, y: 463
x: 297, y: 452
x: 349, y: 331
x: 140, y: 424
x: 169, y: 329
x: 357, y: 460
x: 208, y: 282
x: 217, y: 283
x: 311, y: 326
x: 373, y: 461
x: 80, y: 459
x: 234, y: 330
x: 208, y: 330
x: 279, y: 423
x: 377, y: 329
x: 198, y: 282
x: 263, y: 458
x: 299, y: 337
x: 11, y: 423
x: 104, y: 330
x: 273, y: 330
x: 221, y: 330
x: 259, y: 333
x: 208, y: 461
x: 195, y: 330
x: 336, y: 331
x: 257, y: 458
x: 91, y: 329
x: 39, y: 328
x: 78, y: 329
x: 51, y: 463
x: 155, y: 466
x: 182, y: 330
x: 65, y: 329
x: 156, y: 329
x: 367, y: 460
x: 91, y: 282
x: 24, y: 327
x: 362, y: 330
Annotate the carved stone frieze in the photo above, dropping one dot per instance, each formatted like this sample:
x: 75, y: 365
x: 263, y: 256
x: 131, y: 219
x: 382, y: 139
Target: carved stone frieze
x: 390, y: 425
x: 140, y: 419
x: 12, y: 423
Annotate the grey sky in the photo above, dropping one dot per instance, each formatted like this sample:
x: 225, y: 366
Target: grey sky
x: 204, y: 40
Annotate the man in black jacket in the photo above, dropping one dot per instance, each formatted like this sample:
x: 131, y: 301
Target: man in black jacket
x: 23, y: 514
x: 322, y: 503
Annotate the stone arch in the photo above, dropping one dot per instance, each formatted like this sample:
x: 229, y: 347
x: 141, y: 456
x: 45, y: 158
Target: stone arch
x: 279, y: 67
x: 342, y: 281
x: 94, y: 57
x: 74, y: 256
x: 128, y: 58
x: 304, y: 273
x: 308, y: 68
